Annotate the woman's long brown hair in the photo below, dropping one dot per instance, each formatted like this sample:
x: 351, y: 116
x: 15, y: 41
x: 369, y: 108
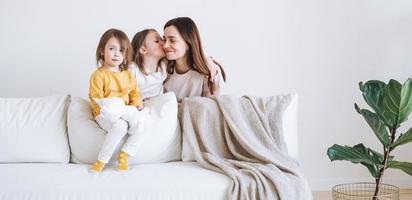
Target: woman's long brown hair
x: 196, y: 58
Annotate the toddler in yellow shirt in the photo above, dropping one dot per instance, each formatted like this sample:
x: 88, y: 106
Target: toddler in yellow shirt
x: 111, y: 79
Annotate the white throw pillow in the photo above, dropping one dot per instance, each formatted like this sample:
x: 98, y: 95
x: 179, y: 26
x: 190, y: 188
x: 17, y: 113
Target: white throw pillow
x: 34, y: 129
x: 161, y: 144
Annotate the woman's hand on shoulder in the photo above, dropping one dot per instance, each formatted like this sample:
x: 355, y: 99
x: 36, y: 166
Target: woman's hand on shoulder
x: 213, y: 68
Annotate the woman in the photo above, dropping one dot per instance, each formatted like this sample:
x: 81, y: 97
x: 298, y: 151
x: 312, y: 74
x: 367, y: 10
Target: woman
x: 191, y: 72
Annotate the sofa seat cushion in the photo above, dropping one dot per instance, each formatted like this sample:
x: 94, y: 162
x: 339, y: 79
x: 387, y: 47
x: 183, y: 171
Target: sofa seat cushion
x: 173, y: 180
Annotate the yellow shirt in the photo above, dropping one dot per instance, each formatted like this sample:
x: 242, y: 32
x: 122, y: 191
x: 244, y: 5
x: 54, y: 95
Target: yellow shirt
x: 104, y: 84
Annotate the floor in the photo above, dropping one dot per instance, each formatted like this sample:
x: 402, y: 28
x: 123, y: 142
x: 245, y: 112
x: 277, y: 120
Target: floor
x: 406, y: 194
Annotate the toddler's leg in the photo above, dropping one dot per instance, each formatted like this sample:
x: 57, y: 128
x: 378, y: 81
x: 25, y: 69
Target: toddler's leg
x: 136, y: 119
x: 133, y: 142
x: 129, y: 148
x: 115, y: 132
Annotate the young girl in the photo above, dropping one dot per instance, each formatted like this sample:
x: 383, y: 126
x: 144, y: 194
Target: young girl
x: 112, y: 79
x: 148, y: 65
x: 191, y: 72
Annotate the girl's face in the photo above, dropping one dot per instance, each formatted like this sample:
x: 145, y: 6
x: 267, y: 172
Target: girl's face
x: 174, y: 45
x: 113, y: 54
x: 154, y: 45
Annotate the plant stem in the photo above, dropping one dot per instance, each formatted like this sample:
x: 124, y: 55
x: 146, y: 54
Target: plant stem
x: 387, y: 151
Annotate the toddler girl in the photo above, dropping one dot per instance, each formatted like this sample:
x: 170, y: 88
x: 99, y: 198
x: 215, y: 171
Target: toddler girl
x: 111, y: 79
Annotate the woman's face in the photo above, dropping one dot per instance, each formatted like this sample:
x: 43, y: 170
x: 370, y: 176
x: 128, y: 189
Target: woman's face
x: 154, y: 45
x: 174, y: 45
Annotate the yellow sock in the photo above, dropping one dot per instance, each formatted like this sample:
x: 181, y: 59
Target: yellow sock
x: 122, y: 161
x: 97, y: 166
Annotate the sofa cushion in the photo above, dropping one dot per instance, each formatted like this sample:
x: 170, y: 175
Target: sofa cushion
x: 160, y: 181
x: 34, y: 129
x: 162, y: 143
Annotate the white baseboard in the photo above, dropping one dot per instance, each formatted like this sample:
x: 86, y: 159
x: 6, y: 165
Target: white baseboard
x: 326, y: 185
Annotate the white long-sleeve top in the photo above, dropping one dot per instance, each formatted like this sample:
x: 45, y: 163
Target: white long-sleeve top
x: 150, y: 85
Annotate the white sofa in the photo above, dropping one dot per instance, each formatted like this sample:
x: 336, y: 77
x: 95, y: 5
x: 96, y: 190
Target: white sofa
x: 47, y: 144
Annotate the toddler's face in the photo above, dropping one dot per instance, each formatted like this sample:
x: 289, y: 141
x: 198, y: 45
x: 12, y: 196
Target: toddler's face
x: 113, y: 53
x: 154, y: 45
x: 173, y: 43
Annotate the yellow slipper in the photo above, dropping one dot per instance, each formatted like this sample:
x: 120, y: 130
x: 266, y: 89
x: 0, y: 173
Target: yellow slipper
x: 122, y: 161
x: 97, y: 167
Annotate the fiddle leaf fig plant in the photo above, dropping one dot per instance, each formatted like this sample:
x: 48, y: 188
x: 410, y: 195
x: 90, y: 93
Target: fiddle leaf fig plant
x: 391, y: 104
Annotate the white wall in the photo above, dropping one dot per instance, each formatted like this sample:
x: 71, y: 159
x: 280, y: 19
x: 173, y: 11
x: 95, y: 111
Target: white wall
x: 319, y: 49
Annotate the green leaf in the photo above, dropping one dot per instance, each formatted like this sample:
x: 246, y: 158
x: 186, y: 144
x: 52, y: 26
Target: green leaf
x: 379, y: 156
x: 397, y: 102
x: 372, y: 169
x: 404, y: 166
x: 391, y: 102
x: 376, y: 124
x: 406, y: 101
x: 372, y: 93
x: 391, y: 99
x: 405, y: 138
x: 356, y: 154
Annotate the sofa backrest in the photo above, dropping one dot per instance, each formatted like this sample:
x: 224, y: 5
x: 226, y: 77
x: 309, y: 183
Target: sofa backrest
x: 34, y: 130
x: 290, y: 127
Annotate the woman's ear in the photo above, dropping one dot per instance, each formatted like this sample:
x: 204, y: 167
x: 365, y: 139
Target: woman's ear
x: 187, y: 46
x: 142, y: 50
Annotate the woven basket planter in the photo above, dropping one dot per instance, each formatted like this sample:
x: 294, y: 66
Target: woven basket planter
x: 364, y: 191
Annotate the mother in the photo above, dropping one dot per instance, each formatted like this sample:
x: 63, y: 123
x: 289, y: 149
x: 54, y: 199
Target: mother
x: 191, y: 72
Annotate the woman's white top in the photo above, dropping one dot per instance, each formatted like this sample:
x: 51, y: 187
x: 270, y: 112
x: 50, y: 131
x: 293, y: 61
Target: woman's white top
x: 150, y: 85
x: 188, y: 84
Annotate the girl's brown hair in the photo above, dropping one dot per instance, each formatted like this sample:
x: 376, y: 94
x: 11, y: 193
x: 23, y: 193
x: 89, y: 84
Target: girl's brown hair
x: 137, y: 42
x: 196, y: 58
x: 125, y: 46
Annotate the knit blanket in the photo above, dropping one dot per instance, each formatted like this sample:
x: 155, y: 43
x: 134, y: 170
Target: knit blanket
x: 241, y: 137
